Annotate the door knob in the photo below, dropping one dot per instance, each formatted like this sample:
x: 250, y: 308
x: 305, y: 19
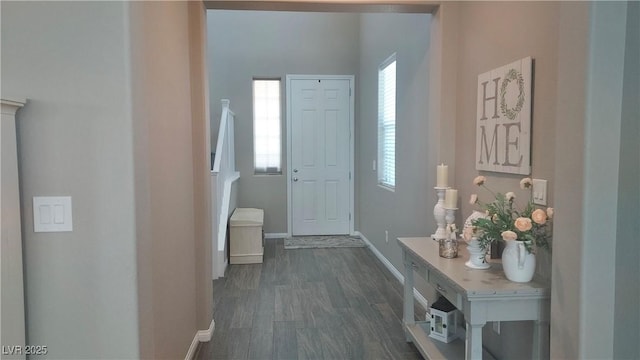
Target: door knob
x: 295, y: 170
x: 295, y: 179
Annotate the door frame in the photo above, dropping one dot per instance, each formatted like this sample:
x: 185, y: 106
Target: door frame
x: 351, y: 79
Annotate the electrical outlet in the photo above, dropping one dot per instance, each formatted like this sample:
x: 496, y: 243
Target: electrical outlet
x: 540, y: 192
x: 386, y: 235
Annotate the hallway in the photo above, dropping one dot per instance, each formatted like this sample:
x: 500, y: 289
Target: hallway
x: 309, y: 303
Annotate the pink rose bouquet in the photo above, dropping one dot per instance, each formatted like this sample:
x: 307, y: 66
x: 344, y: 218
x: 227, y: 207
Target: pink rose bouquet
x: 530, y: 225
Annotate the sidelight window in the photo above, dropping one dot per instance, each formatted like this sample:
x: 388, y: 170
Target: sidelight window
x: 266, y: 126
x: 387, y: 123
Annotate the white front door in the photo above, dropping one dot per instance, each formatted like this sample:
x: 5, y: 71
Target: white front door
x: 320, y: 156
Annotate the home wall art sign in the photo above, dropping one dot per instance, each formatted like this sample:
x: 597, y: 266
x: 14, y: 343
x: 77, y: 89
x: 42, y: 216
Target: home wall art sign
x: 503, y: 119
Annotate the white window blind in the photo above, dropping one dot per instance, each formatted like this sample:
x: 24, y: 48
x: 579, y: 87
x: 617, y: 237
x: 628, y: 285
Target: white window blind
x: 387, y: 123
x: 266, y: 126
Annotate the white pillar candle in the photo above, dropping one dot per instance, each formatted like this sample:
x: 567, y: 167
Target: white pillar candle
x: 443, y: 174
x: 451, y: 198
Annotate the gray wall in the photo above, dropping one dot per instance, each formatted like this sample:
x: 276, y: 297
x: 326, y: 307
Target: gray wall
x: 578, y: 118
x: 201, y: 149
x: 566, y: 275
x: 408, y: 211
x: 525, y: 29
x: 169, y: 112
x: 627, y: 312
x: 626, y: 335
x: 117, y: 119
x: 588, y: 278
x: 70, y: 60
x: 248, y: 44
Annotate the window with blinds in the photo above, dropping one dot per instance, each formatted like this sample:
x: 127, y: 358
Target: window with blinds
x: 266, y: 126
x: 387, y: 123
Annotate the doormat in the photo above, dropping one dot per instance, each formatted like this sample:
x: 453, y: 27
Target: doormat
x: 325, y: 241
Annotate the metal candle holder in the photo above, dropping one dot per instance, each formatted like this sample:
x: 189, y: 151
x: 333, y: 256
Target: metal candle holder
x: 448, y: 246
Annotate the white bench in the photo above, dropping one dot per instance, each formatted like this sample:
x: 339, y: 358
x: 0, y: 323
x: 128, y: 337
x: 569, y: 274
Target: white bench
x: 247, y: 237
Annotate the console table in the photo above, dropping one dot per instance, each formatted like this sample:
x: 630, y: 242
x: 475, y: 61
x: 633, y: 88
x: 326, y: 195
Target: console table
x: 481, y: 295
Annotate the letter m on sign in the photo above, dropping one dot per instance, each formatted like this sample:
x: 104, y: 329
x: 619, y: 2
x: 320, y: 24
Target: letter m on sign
x: 503, y: 119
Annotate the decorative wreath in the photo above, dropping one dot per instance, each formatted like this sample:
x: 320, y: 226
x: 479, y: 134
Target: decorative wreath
x: 513, y: 74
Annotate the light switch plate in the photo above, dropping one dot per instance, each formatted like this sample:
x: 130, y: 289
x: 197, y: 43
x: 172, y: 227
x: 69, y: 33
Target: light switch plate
x: 52, y: 214
x: 540, y: 192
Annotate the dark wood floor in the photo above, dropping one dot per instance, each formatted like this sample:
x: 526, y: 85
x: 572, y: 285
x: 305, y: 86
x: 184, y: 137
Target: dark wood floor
x: 309, y: 304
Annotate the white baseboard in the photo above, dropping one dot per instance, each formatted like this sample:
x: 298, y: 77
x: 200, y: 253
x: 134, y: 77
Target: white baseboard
x: 201, y: 336
x: 275, y: 235
x: 205, y: 335
x: 421, y: 299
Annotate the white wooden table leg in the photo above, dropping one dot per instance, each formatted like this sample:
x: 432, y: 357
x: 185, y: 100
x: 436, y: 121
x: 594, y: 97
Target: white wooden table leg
x: 473, y: 342
x: 540, y: 331
x: 409, y: 318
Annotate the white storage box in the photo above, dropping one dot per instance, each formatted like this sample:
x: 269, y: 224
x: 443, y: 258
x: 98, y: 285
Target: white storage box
x: 247, y: 238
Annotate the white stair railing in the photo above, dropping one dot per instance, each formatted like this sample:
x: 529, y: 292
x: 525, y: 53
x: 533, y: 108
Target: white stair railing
x: 223, y: 176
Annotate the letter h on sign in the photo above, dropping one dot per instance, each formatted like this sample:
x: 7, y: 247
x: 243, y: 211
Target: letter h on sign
x: 486, y: 98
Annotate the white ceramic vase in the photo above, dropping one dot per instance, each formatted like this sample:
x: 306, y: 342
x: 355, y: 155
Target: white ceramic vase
x: 477, y: 256
x: 518, y: 264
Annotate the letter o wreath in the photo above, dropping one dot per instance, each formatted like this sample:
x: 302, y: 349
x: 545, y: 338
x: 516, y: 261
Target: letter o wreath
x: 512, y: 113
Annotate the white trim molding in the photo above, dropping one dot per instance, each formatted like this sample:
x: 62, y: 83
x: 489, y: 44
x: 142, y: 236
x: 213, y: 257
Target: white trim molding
x: 421, y: 299
x: 200, y: 337
x: 11, y: 254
